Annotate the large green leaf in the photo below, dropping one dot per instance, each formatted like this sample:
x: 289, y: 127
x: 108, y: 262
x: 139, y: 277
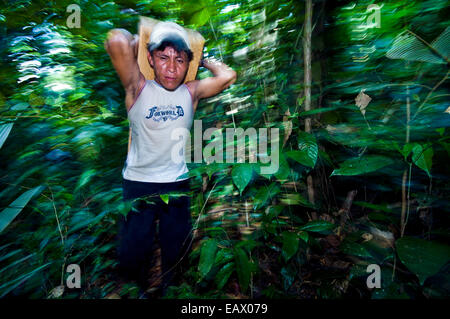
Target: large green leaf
x: 242, y: 174
x: 207, y: 256
x: 422, y: 157
x: 307, y: 150
x: 424, y: 258
x: 264, y: 193
x: 242, y: 268
x: 290, y: 245
x: 224, y: 274
x: 9, y: 213
x: 408, y: 47
x: 362, y: 165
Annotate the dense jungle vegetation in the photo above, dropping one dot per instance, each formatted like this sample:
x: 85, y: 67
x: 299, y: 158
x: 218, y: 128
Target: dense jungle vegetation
x: 357, y: 89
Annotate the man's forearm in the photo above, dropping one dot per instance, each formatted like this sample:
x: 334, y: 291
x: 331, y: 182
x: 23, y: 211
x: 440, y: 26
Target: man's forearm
x: 218, y: 68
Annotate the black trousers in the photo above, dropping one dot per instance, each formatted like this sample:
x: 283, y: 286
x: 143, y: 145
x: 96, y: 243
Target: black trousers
x: 137, y: 230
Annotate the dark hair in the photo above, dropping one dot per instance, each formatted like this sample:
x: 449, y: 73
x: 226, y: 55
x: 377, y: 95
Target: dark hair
x: 176, y: 43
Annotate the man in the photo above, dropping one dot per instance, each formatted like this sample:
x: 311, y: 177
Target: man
x: 154, y: 109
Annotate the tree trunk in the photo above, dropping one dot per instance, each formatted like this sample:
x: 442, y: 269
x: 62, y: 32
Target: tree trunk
x: 307, y: 82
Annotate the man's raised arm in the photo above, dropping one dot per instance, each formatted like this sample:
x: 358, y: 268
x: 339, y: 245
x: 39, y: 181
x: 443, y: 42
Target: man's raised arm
x: 223, y: 77
x: 122, y: 47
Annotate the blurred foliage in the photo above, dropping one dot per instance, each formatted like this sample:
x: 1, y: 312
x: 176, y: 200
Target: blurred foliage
x: 380, y: 116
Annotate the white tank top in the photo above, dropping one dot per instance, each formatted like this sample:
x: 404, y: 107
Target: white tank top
x: 154, y: 115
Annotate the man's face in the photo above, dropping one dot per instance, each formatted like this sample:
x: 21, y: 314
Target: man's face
x: 170, y: 67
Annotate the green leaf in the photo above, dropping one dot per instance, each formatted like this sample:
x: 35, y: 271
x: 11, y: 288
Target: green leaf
x: 422, y: 257
x: 198, y: 12
x: 355, y: 249
x: 224, y: 274
x: 16, y: 262
x: 290, y: 244
x: 273, y: 212
x: 200, y: 17
x: 20, y: 106
x: 85, y: 178
x: 194, y: 172
x: 362, y: 165
x: 242, y: 268
x: 223, y: 256
x: 295, y: 199
x: 317, y: 226
x: 9, y: 213
x: 19, y: 280
x: 407, y: 46
x: 248, y: 244
x: 299, y: 157
x: 422, y: 157
x: 304, y: 236
x: 407, y: 148
x: 307, y: 150
x: 358, y: 270
x: 288, y: 274
x: 5, y: 129
x: 263, y: 194
x: 283, y: 168
x: 242, y: 174
x: 207, y: 256
x: 300, y: 100
x: 165, y: 198
x: 214, y: 168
